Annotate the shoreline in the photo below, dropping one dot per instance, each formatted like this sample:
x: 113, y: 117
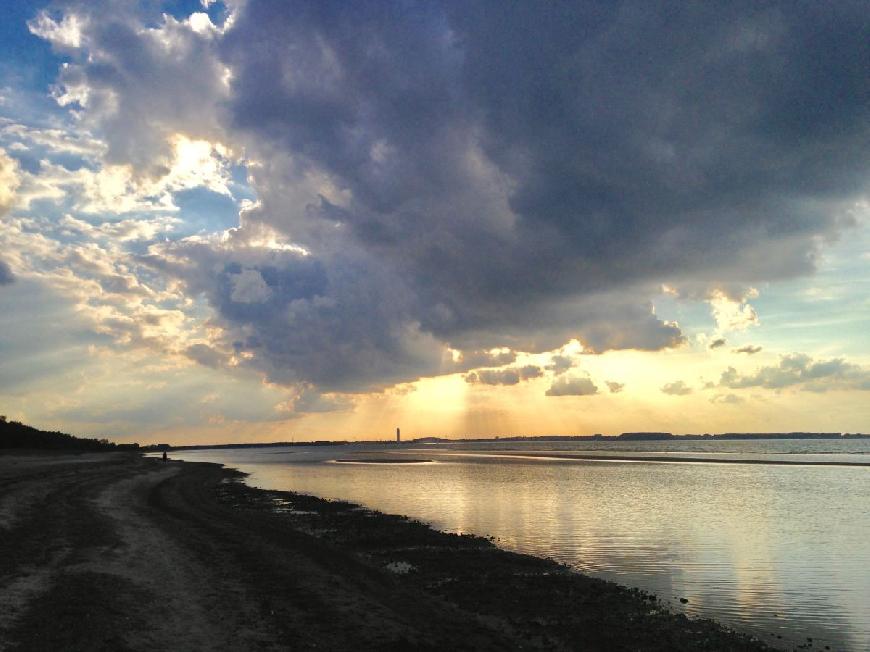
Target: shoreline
x: 140, y: 554
x: 653, y: 459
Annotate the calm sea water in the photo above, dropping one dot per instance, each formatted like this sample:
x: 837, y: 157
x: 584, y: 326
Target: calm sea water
x: 766, y: 548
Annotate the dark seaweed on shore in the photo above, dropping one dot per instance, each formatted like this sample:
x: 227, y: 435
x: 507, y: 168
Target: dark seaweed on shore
x: 537, y: 603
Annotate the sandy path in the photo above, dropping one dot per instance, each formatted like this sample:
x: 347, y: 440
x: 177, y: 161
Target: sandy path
x: 115, y: 552
x: 175, y: 585
x: 37, y: 536
x: 85, y: 526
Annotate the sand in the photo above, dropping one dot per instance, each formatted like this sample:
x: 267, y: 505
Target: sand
x: 117, y: 552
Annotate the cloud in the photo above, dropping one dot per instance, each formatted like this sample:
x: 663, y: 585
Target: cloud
x: 510, y: 376
x: 205, y: 355
x: 676, y: 388
x: 193, y: 397
x: 749, y: 349
x: 494, y: 358
x: 41, y: 335
x: 248, y: 286
x: 733, y: 314
x: 307, y: 400
x: 6, y: 275
x: 615, y: 323
x: 614, y: 387
x: 121, y: 231
x: 728, y: 399
x: 110, y: 189
x: 531, y: 371
x: 9, y: 182
x: 801, y: 371
x: 138, y: 87
x: 65, y: 34
x: 718, y: 342
x: 440, y: 181
x: 341, y: 326
x: 559, y: 364
x: 563, y: 386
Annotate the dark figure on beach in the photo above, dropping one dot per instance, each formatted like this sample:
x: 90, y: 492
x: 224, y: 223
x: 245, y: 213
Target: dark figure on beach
x: 164, y: 456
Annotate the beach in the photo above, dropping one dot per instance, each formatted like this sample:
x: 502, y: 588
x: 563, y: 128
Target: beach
x: 114, y: 551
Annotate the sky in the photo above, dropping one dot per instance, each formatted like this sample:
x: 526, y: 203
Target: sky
x: 258, y: 220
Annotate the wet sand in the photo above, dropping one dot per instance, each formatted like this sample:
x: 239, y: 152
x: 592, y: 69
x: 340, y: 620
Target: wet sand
x: 117, y: 552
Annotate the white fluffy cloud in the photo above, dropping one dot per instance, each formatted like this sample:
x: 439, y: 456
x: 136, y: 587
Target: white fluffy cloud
x: 138, y: 86
x: 65, y: 33
x: 731, y: 314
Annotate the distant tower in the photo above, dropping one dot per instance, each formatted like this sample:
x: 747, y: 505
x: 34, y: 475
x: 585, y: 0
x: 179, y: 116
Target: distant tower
x: 398, y: 436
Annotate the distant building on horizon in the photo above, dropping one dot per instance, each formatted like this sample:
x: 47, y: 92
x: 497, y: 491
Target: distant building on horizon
x: 398, y: 436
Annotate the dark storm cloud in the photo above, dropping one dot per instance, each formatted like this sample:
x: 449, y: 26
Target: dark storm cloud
x: 626, y: 143
x: 341, y: 326
x: 481, y: 175
x: 627, y: 130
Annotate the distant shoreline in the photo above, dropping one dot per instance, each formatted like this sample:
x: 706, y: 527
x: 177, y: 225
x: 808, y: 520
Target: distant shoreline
x: 623, y: 437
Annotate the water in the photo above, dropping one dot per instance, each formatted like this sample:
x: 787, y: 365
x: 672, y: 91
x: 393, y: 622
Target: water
x: 766, y: 548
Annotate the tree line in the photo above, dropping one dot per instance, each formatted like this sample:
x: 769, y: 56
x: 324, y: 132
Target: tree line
x: 14, y: 434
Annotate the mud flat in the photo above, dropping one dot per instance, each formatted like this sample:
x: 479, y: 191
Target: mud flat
x: 118, y: 552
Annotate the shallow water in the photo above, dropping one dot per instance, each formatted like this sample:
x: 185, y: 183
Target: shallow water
x: 766, y: 548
